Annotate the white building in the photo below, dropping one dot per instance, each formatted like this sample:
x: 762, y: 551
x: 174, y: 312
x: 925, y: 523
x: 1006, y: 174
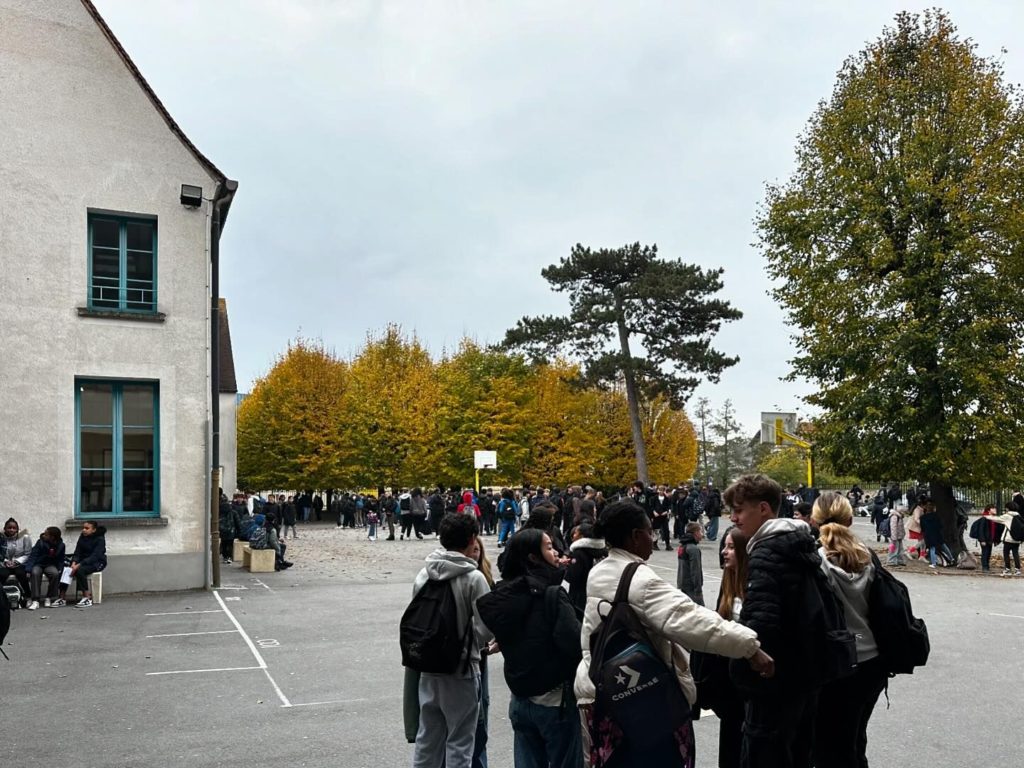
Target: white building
x: 105, y: 274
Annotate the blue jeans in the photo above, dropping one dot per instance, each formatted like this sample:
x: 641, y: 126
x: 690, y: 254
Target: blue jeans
x: 545, y: 736
x: 505, y: 529
x: 712, y: 528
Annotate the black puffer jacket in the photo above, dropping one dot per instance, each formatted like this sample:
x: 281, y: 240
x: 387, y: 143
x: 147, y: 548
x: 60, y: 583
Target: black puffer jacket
x: 584, y: 553
x: 783, y: 559
x: 91, y: 551
x: 537, y: 629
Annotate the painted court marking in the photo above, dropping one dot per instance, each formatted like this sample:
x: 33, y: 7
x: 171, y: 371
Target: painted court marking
x: 179, y: 613
x: 1006, y: 615
x: 190, y: 634
x: 196, y: 671
x: 255, y: 652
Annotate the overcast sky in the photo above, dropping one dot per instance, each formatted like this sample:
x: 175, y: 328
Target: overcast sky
x: 420, y: 162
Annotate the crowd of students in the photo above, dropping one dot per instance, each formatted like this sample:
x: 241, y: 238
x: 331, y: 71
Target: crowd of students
x: 607, y: 663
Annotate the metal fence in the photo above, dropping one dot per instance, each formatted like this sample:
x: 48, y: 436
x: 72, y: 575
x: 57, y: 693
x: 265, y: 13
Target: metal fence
x: 978, y: 499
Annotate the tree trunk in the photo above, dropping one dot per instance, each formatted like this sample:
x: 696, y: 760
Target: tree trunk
x: 632, y: 400
x: 945, y: 506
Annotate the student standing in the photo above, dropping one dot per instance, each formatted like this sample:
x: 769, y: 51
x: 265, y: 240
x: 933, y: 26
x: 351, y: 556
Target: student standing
x: 689, y: 574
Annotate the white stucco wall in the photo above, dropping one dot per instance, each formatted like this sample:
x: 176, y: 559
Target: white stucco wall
x: 228, y: 442
x: 77, y: 133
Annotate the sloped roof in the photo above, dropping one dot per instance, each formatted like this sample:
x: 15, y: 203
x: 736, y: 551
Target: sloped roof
x: 227, y: 357
x: 175, y: 128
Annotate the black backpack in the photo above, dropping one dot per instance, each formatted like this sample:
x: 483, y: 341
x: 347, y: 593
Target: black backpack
x: 1017, y: 528
x: 507, y: 509
x: 429, y: 633
x: 404, y: 504
x: 902, y: 639
x: 634, y: 687
x: 826, y: 649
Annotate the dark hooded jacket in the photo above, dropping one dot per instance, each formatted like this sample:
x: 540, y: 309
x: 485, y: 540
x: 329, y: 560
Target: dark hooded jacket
x: 783, y: 559
x: 538, y: 631
x: 44, y: 554
x: 91, y: 551
x: 584, y: 553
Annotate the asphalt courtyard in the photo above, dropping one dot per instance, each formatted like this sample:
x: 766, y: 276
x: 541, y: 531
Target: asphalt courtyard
x: 302, y: 668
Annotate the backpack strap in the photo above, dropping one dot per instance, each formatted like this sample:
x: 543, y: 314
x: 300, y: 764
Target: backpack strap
x: 622, y: 593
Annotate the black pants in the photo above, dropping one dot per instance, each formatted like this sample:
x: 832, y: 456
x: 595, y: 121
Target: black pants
x: 662, y: 529
x: 844, y: 708
x: 227, y: 545
x: 986, y: 555
x: 82, y: 578
x: 1011, y: 551
x: 778, y: 732
x: 18, y: 571
x: 406, y: 519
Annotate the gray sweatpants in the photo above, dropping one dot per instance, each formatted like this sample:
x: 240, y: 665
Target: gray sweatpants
x: 449, y: 705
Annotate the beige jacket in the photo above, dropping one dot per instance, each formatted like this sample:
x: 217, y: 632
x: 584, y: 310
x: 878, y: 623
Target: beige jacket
x: 673, y: 621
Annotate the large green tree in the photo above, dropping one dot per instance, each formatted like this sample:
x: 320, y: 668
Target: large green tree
x: 898, y: 251
x: 627, y: 299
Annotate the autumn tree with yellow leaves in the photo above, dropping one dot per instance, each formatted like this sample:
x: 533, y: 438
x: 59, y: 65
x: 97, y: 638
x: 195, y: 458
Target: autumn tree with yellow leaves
x: 393, y: 416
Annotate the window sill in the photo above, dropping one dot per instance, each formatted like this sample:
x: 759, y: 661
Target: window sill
x: 116, y: 314
x: 75, y: 523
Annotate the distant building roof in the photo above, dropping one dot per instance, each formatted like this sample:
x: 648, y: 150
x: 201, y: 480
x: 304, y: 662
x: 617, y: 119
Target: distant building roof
x: 175, y: 128
x: 227, y: 357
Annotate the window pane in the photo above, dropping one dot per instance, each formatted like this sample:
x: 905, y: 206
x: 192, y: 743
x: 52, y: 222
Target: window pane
x: 105, y: 263
x: 97, y: 491
x: 97, y: 448
x: 137, y: 405
x: 97, y: 403
x: 140, y: 235
x: 140, y: 266
x: 106, y: 233
x: 138, y: 449
x: 138, y: 491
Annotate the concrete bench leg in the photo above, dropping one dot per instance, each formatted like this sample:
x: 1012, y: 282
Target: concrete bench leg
x: 246, y: 556
x: 261, y: 560
x: 237, y: 550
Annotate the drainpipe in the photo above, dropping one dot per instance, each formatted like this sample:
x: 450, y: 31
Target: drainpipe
x: 221, y: 199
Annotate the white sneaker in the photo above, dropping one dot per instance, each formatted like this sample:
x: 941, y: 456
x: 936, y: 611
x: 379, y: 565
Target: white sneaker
x: 1017, y: 572
x: 1006, y: 572
x: 46, y: 602
x: 85, y: 602
x: 33, y: 605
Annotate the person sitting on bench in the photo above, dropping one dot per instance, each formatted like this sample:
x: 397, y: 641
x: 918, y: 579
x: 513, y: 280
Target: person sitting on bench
x: 90, y: 556
x: 46, y: 557
x: 15, y: 547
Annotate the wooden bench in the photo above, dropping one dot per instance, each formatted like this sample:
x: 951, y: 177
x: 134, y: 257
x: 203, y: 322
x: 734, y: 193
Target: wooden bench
x: 258, y: 560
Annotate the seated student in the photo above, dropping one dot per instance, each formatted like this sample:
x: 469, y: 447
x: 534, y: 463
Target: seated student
x: 15, y: 546
x: 46, y: 557
x: 274, y: 542
x: 90, y: 557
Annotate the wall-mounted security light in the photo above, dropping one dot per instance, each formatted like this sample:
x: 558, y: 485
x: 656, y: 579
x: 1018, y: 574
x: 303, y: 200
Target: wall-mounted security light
x: 191, y: 195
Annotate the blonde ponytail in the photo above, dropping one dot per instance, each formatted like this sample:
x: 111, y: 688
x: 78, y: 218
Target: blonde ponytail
x: 834, y: 516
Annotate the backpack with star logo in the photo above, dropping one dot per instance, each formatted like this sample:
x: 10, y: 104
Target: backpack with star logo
x: 635, y: 689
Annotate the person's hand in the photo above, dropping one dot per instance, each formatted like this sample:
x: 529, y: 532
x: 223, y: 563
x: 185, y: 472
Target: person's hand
x: 492, y: 647
x: 763, y: 664
x: 564, y: 560
x: 74, y: 567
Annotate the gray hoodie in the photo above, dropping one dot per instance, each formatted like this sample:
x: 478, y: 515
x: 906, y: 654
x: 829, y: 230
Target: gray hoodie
x: 469, y: 585
x: 853, y: 589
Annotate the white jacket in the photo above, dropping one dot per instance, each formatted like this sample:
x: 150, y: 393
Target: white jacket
x: 673, y: 621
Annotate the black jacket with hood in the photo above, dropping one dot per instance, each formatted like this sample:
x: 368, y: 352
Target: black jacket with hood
x: 537, y: 629
x: 91, y: 551
x: 783, y: 559
x: 584, y: 553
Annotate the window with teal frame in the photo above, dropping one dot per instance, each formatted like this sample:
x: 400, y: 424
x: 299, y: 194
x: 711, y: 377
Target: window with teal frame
x: 122, y: 263
x: 117, y: 448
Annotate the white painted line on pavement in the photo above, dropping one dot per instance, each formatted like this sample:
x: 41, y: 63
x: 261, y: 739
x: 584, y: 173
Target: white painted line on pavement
x: 190, y: 634
x: 343, y: 701
x: 194, y: 671
x: 1006, y: 615
x: 179, y: 613
x: 263, y: 585
x: 255, y: 653
x: 230, y: 586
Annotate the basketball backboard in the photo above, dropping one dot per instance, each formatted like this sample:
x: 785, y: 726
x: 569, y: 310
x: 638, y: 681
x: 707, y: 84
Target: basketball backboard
x: 485, y: 459
x: 768, y: 418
